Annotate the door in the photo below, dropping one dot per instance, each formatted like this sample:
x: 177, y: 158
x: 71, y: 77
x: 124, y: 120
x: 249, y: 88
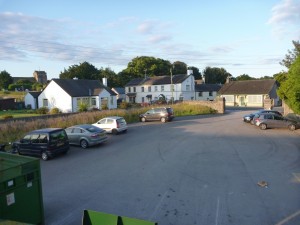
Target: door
x: 242, y: 101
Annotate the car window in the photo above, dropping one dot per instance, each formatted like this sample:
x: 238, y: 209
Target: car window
x: 269, y: 116
x: 69, y: 130
x: 157, y: 110
x: 121, y: 120
x: 276, y: 117
x: 35, y: 138
x: 103, y: 121
x: 76, y: 130
x: 58, y: 135
x: 110, y: 121
x: 93, y: 129
x: 151, y: 111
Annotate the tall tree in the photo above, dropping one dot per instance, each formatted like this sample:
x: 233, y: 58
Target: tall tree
x: 84, y: 70
x: 292, y: 55
x: 214, y: 75
x: 147, y: 66
x: 5, y: 80
x: 179, y: 68
x: 196, y: 72
x: 289, y: 89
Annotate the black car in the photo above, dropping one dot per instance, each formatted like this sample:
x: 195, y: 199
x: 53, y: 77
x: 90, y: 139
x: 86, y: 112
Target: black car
x: 162, y: 114
x: 45, y: 143
x: 249, y: 117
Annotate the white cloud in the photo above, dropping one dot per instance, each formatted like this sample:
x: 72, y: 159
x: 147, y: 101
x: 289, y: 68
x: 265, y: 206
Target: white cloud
x: 286, y: 18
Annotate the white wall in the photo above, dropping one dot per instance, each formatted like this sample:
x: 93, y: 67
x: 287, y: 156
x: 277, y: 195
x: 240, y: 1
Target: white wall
x: 29, y: 100
x: 57, y: 97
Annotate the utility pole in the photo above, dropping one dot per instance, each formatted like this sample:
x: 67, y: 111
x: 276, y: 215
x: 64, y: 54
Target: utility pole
x: 172, y: 86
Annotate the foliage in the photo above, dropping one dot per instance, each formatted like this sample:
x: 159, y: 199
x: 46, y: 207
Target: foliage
x: 196, y: 72
x: 292, y: 55
x: 5, y: 80
x: 20, y: 87
x: 83, y: 107
x: 244, y: 77
x: 55, y: 110
x: 289, y: 89
x: 84, y: 70
x: 179, y: 68
x: 214, y: 75
x: 5, y: 117
x: 37, y: 86
x: 280, y: 77
x: 42, y: 110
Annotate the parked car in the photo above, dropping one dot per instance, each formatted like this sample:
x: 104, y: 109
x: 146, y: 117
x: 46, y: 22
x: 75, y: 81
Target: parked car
x: 269, y: 120
x: 45, y: 143
x: 249, y: 117
x: 163, y: 114
x: 86, y: 135
x: 112, y: 124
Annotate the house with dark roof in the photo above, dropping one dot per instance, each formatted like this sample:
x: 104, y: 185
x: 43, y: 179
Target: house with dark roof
x: 250, y: 93
x: 120, y: 92
x: 176, y: 87
x: 206, y: 91
x: 31, y: 99
x: 67, y: 95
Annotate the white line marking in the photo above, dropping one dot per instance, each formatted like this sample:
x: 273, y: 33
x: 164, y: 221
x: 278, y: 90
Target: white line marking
x: 287, y: 219
x: 158, y: 205
x: 217, y: 211
x: 297, y: 179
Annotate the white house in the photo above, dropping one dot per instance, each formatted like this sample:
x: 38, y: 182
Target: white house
x: 177, y: 87
x: 31, y: 99
x: 67, y: 95
x: 120, y: 92
x: 206, y: 91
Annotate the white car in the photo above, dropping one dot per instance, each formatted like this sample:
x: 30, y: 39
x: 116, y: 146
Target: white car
x: 112, y: 124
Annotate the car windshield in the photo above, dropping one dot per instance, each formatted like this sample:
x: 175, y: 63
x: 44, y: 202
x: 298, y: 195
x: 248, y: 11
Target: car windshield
x: 93, y: 129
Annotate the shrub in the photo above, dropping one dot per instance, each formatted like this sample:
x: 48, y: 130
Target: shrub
x: 124, y: 105
x: 42, y: 110
x: 7, y: 117
x: 55, y: 110
x: 83, y: 107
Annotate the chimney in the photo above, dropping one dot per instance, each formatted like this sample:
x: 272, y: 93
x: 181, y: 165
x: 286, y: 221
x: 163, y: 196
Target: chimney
x: 104, y: 81
x: 228, y: 79
x: 203, y: 79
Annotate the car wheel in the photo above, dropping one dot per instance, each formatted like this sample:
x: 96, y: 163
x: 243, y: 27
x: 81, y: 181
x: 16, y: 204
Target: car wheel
x: 292, y: 127
x: 45, y: 156
x: 252, y: 122
x: 143, y: 119
x: 84, y: 144
x: 263, y: 126
x: 115, y: 132
x: 163, y: 119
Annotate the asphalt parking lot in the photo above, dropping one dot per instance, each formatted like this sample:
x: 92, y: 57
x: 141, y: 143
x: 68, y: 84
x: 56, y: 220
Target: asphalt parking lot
x: 195, y: 170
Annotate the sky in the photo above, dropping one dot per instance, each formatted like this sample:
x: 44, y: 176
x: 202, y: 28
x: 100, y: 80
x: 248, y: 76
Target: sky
x: 243, y: 37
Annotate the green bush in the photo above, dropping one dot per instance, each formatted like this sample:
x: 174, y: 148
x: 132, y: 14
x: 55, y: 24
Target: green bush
x: 124, y: 105
x: 55, y: 110
x: 83, y: 107
x: 7, y: 117
x: 42, y: 110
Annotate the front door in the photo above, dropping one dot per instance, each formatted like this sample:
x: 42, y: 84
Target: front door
x: 242, y: 101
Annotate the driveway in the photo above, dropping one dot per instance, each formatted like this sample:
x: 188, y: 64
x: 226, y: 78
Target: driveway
x: 204, y: 170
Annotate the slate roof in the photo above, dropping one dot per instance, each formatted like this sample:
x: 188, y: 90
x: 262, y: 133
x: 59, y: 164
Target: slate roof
x: 82, y: 87
x: 35, y: 94
x: 157, y: 80
x: 119, y: 90
x: 247, y: 87
x: 207, y: 87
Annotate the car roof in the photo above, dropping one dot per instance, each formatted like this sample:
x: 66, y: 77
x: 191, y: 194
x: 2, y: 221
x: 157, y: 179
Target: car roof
x: 83, y: 126
x: 45, y: 130
x: 113, y: 117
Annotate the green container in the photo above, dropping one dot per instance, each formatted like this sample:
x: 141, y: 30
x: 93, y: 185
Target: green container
x: 100, y: 218
x: 21, y: 197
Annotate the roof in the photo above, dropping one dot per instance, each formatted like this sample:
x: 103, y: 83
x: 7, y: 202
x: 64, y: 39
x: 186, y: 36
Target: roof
x: 158, y: 80
x: 34, y: 94
x: 119, y: 90
x: 82, y: 87
x: 207, y: 87
x: 247, y: 87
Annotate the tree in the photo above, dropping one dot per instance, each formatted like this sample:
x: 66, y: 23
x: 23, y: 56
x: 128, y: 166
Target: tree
x: 289, y: 89
x: 147, y: 66
x: 196, y: 72
x: 244, y: 77
x: 84, y: 70
x: 179, y: 68
x: 292, y: 55
x: 214, y: 75
x: 5, y: 80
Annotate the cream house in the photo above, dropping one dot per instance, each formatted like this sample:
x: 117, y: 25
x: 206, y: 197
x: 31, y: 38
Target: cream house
x: 145, y: 90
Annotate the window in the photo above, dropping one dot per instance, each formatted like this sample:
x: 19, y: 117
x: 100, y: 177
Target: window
x: 200, y: 94
x: 143, y: 99
x: 45, y: 102
x: 143, y: 89
x: 129, y: 89
x: 93, y: 101
x: 210, y: 93
x: 155, y: 88
x: 149, y: 89
x: 162, y: 88
x: 188, y: 87
x: 134, y: 89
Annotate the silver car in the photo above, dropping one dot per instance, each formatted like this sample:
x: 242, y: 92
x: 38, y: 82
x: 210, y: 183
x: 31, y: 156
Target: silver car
x: 86, y: 135
x: 112, y: 124
x: 269, y: 120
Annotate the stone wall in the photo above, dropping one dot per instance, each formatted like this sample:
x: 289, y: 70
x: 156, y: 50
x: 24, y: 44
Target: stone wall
x: 286, y: 109
x: 218, y: 104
